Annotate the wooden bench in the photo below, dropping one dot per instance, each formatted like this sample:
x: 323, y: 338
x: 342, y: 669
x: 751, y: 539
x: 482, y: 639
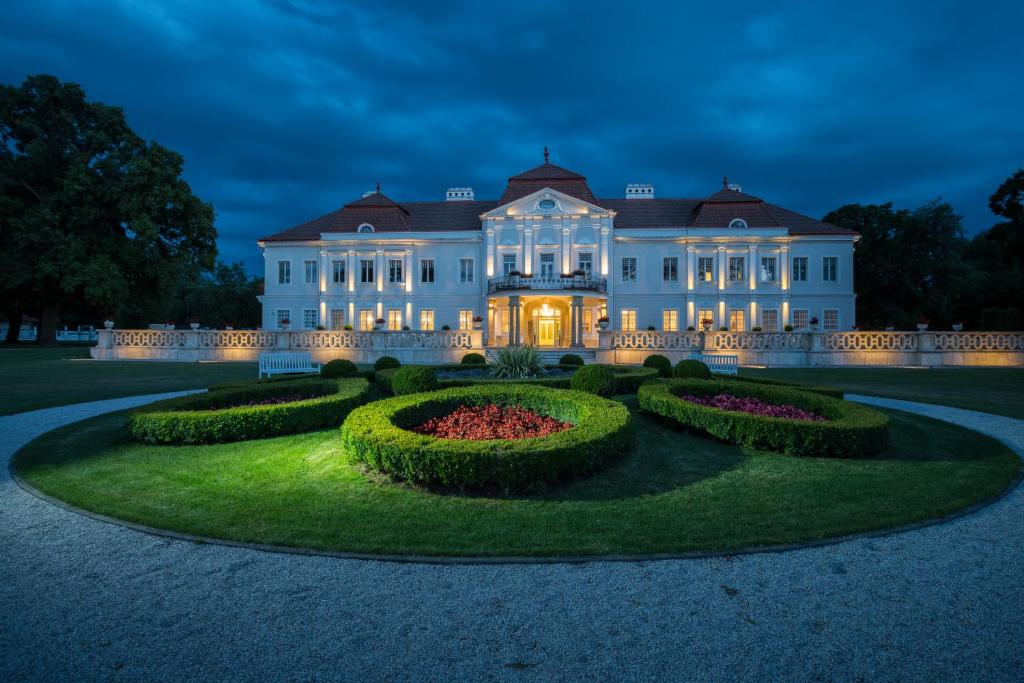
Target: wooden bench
x: 286, y: 363
x: 720, y: 363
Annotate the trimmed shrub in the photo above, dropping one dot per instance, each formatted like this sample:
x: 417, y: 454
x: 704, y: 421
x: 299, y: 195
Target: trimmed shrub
x: 386, y: 362
x: 338, y: 368
x: 413, y: 379
x: 223, y: 415
x: 379, y: 436
x: 594, y: 379
x: 850, y: 430
x: 691, y: 369
x: 570, y: 359
x: 660, y: 363
x: 474, y: 359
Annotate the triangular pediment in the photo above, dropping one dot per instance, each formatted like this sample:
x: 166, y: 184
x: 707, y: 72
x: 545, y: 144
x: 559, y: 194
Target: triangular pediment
x: 546, y: 203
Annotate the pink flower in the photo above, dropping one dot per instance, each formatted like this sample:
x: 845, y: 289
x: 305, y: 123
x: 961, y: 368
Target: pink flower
x: 753, y: 406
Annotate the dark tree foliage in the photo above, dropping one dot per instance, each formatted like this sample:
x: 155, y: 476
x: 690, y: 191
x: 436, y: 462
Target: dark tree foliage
x: 94, y: 218
x: 225, y: 296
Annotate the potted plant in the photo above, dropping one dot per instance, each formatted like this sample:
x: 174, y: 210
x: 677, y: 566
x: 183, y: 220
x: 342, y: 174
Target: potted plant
x: 348, y: 327
x: 691, y: 328
x: 193, y: 323
x: 723, y: 328
x: 706, y: 323
x: 478, y: 322
x: 283, y: 323
x: 957, y: 327
x: 320, y: 328
x: 814, y: 323
x: 788, y: 328
x: 379, y: 323
x: 755, y: 328
x: 108, y: 322
x: 445, y: 328
x: 652, y: 328
x: 922, y: 324
x: 603, y: 322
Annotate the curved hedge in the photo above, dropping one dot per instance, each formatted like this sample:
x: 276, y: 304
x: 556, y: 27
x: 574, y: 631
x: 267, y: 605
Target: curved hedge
x: 627, y: 378
x: 379, y: 436
x: 216, y: 416
x: 850, y: 430
x: 413, y: 379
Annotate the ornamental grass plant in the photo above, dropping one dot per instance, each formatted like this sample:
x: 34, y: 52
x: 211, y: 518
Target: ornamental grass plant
x: 519, y: 361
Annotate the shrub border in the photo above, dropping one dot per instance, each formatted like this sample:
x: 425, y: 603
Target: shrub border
x: 185, y: 420
x: 851, y: 430
x: 627, y: 378
x: 602, y: 429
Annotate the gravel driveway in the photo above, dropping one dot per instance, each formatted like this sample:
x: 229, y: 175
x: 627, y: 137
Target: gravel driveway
x: 84, y: 600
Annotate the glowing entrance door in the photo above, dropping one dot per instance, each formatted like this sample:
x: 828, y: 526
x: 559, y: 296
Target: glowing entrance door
x: 546, y: 333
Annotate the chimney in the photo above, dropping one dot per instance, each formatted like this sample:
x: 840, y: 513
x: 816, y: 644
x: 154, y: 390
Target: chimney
x: 735, y: 187
x: 639, y: 191
x: 459, y: 194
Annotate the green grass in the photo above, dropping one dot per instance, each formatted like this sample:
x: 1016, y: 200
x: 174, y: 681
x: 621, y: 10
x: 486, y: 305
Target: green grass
x: 674, y: 492
x: 990, y: 390
x: 44, y: 377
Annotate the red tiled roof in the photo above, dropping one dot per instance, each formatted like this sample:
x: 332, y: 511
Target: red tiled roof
x: 547, y: 175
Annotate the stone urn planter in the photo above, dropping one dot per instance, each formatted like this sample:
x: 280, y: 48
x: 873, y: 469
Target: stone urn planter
x: 284, y: 324
x: 108, y: 324
x: 478, y: 323
x: 194, y: 326
x: 957, y: 327
x: 378, y: 324
x: 921, y: 327
x: 603, y: 324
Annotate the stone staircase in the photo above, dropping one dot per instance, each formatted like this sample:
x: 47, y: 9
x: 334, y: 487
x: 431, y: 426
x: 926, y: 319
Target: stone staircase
x: 551, y: 356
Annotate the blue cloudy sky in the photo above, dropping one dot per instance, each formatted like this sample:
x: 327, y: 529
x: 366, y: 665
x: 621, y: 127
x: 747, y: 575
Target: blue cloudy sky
x: 286, y: 109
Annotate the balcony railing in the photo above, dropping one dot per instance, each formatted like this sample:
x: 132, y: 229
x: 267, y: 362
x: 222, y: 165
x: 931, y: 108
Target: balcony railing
x: 587, y: 283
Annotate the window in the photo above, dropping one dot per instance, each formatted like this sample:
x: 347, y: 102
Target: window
x: 309, y: 318
x: 628, y: 320
x: 366, y: 271
x: 365, y: 227
x: 586, y: 263
x: 427, y: 270
x: 465, y: 319
x: 546, y: 204
x: 799, y: 269
x: 588, y: 320
x: 338, y: 271
x: 337, y: 318
x: 706, y: 317
x: 284, y: 272
x: 365, y: 319
x: 426, y: 319
x: 465, y: 270
x: 629, y: 269
x: 503, y: 320
x: 310, y: 272
x: 283, y: 314
x: 670, y: 320
x: 830, y: 319
x: 770, y: 320
x: 508, y: 263
x: 800, y: 318
x: 737, y: 223
x: 735, y: 269
x: 767, y: 269
x: 547, y: 265
x: 706, y: 269
x: 830, y: 269
x: 670, y: 269
x: 394, y: 319
x: 395, y: 270
x: 737, y: 320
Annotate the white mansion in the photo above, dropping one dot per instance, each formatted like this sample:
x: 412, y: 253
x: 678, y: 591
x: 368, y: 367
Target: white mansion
x: 549, y: 263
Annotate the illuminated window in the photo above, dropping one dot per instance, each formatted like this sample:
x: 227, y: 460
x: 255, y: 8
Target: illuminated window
x: 465, y: 319
x: 737, y: 320
x: 628, y: 320
x: 706, y: 317
x: 670, y: 320
x: 736, y: 269
x: 394, y: 319
x: 426, y: 319
x: 365, y: 319
x: 706, y: 269
x: 588, y: 320
x: 830, y: 319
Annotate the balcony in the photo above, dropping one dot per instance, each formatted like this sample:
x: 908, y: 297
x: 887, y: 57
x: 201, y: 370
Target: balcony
x: 511, y: 283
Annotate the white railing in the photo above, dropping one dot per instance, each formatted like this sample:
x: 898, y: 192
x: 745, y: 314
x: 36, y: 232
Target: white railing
x: 735, y: 341
x: 978, y: 341
x: 683, y: 341
x: 588, y: 283
x: 870, y: 341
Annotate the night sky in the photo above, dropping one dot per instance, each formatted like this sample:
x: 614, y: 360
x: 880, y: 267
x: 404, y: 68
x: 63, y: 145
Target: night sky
x: 285, y: 110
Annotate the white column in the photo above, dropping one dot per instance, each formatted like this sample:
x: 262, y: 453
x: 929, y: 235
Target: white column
x: 784, y: 268
x: 691, y: 269
x: 722, y: 273
x: 322, y: 286
x: 577, y: 321
x: 490, y: 252
x: 605, y: 255
x: 379, y: 267
x: 350, y: 273
x: 407, y: 271
x: 566, y: 251
x: 513, y: 320
x: 528, y: 251
x: 691, y: 314
x: 753, y: 267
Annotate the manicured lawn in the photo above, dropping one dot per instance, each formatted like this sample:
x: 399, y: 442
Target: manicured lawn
x: 990, y: 390
x: 44, y: 377
x: 674, y: 492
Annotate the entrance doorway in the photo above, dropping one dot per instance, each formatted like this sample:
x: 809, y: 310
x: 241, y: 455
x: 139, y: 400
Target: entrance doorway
x: 546, y: 332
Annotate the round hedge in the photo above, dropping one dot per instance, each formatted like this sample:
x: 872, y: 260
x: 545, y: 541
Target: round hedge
x: 570, y: 359
x: 221, y: 415
x: 413, y: 379
x: 691, y: 368
x: 594, y: 379
x: 660, y: 363
x: 378, y: 435
x: 850, y: 430
x: 338, y: 368
x: 386, y: 363
x: 474, y: 359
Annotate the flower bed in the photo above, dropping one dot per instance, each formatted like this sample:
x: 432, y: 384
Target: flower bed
x: 754, y: 406
x: 381, y: 435
x: 848, y: 430
x: 491, y: 421
x: 252, y: 411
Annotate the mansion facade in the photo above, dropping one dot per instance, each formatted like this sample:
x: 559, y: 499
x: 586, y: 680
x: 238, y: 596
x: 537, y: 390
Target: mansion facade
x: 550, y: 264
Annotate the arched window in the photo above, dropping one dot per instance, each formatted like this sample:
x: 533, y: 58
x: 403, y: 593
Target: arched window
x: 365, y: 227
x: 546, y: 204
x: 737, y: 223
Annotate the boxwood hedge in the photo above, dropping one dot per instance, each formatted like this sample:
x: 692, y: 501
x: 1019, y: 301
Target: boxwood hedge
x: 221, y: 415
x: 380, y: 436
x: 627, y: 378
x: 850, y: 430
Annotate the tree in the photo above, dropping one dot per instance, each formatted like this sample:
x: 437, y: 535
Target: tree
x: 94, y: 217
x: 225, y: 296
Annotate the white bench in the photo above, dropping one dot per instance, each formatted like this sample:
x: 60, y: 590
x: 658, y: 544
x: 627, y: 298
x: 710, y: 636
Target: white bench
x: 286, y: 362
x: 720, y: 363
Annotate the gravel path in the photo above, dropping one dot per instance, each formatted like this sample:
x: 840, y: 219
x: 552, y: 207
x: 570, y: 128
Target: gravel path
x: 84, y: 600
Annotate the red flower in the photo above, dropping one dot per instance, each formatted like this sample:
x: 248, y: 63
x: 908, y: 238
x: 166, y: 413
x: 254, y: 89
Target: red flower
x: 752, y: 405
x: 491, y: 422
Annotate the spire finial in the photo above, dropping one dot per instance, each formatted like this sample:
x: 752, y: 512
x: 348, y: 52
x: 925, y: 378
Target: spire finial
x: 545, y: 154
x: 725, y: 182
x: 378, y: 187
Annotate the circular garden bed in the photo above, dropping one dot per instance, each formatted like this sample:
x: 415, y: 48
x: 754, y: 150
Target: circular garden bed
x: 249, y: 411
x: 386, y: 436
